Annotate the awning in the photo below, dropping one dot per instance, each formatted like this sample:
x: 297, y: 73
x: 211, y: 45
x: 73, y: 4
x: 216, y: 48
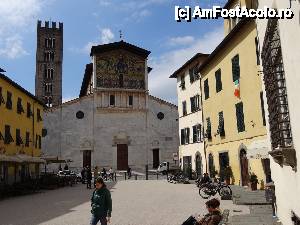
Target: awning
x: 8, y: 158
x: 30, y: 159
x: 258, y: 149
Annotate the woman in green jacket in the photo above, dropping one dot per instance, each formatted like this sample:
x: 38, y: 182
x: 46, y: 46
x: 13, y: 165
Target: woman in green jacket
x: 101, y: 204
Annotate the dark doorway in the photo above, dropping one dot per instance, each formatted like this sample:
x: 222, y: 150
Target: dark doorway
x: 187, y: 166
x: 199, y: 166
x: 122, y: 157
x: 86, y: 158
x: 224, y: 163
x: 244, y: 167
x: 267, y: 169
x: 211, y: 166
x: 155, y: 158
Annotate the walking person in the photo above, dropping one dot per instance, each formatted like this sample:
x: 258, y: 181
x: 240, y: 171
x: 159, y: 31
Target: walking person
x: 111, y: 173
x: 101, y: 204
x: 89, y: 178
x: 129, y: 172
x: 104, y: 174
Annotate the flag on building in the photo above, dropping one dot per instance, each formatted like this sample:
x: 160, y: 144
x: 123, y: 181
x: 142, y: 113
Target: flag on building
x: 237, y: 88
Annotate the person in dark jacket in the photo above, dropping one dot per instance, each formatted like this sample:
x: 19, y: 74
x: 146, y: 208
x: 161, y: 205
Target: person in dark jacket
x: 214, y: 215
x: 89, y: 178
x: 101, y: 204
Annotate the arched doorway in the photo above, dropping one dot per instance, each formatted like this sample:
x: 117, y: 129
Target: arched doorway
x: 211, y: 166
x: 244, y: 167
x: 198, y: 165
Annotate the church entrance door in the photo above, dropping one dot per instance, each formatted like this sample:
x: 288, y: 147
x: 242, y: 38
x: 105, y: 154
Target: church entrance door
x: 86, y: 158
x: 122, y: 157
x: 155, y: 158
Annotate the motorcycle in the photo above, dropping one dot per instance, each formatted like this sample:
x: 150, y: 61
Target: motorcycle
x: 207, y: 190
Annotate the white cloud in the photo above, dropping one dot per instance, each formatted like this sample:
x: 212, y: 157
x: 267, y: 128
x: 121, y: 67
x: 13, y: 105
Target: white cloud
x: 159, y: 82
x: 107, y: 36
x: 13, y: 48
x: 184, y: 40
x: 15, y: 18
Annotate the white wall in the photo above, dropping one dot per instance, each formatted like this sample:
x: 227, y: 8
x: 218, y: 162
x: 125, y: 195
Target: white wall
x: 287, y: 181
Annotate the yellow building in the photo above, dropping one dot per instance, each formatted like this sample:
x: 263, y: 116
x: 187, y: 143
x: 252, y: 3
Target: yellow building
x: 20, y: 132
x: 234, y: 117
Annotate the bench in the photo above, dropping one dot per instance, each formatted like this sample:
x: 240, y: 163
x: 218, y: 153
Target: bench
x: 225, y: 217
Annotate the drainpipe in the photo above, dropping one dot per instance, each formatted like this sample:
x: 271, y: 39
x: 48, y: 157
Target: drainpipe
x: 204, y: 142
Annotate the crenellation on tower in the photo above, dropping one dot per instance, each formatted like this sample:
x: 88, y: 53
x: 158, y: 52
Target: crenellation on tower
x: 49, y: 57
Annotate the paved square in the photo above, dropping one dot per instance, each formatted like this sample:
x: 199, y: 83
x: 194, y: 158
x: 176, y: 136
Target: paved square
x: 134, y: 203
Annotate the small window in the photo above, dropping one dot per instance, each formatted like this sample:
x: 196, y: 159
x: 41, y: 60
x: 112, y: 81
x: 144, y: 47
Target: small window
x: 160, y: 115
x: 130, y: 100
x: 38, y: 115
x: 240, y: 117
x: 195, y: 106
x: 7, y: 136
x: 27, y: 140
x: 182, y: 82
x: 235, y: 68
x: 111, y: 100
x: 206, y: 89
x: 184, y: 112
x: 79, y: 115
x: 20, y: 108
x: 19, y: 140
x: 1, y: 97
x: 218, y: 80
x: 29, y: 112
x: 197, y: 133
x: 9, y: 100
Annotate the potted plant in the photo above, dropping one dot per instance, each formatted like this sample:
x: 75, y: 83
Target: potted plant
x: 228, y: 174
x: 253, y: 181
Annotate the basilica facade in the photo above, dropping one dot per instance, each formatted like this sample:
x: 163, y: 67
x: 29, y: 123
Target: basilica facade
x: 115, y: 122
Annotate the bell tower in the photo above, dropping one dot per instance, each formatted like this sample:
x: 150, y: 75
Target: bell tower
x: 49, y: 58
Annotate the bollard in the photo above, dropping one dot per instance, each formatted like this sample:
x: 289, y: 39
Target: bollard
x: 156, y: 176
x: 146, y: 167
x: 115, y: 176
x: 125, y: 175
x: 135, y: 176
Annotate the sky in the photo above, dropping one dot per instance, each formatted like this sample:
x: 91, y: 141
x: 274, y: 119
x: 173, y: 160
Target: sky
x: 148, y: 24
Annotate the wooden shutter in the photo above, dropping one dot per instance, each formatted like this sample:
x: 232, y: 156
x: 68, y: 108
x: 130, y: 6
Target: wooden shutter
x: 182, y: 137
x: 235, y: 68
x: 206, y: 89
x: 218, y: 80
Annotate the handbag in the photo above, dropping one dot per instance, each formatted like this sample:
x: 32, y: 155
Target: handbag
x: 190, y: 221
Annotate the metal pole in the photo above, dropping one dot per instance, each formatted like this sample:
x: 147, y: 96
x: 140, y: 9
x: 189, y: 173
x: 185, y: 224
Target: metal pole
x: 146, y: 167
x: 125, y: 175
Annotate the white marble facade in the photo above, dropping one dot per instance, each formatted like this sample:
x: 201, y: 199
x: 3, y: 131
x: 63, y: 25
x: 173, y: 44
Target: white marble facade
x: 104, y: 127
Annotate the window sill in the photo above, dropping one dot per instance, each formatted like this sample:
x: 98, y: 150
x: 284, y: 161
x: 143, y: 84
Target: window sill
x: 285, y: 157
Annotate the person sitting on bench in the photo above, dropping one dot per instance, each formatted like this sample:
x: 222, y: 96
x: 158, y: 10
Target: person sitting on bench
x: 214, y: 215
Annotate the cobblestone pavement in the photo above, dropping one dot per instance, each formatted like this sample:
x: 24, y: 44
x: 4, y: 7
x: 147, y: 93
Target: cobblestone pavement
x: 134, y: 203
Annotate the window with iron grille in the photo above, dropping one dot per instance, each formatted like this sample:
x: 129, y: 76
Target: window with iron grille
x: 182, y: 82
x: 29, y: 112
x: 20, y: 108
x: 221, y: 128
x: 7, y: 136
x: 218, y: 80
x: 208, y: 128
x: 240, y: 117
x: 262, y: 105
x: 206, y: 89
x: 1, y: 97
x: 195, y: 103
x: 184, y: 111
x: 277, y: 99
x: 38, y: 115
x: 9, y: 100
x: 19, y: 140
x: 235, y: 68
x: 27, y: 139
x: 197, y: 133
x: 193, y: 74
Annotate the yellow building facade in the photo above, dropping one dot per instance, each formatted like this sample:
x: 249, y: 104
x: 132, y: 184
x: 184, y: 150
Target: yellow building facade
x: 20, y: 132
x: 234, y: 120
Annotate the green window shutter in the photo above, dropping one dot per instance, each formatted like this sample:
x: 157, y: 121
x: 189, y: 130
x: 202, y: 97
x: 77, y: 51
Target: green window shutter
x: 235, y: 68
x: 206, y: 89
x: 240, y: 117
x: 218, y: 80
